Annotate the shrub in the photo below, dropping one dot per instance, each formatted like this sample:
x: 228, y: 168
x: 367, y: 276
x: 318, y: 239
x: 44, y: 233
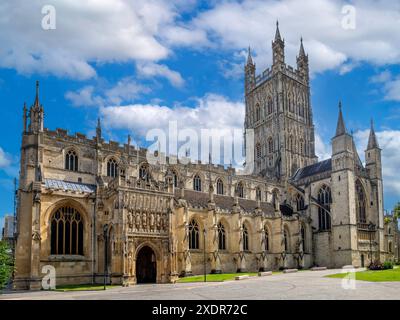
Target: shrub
x: 387, y: 265
x: 6, y: 264
x: 381, y: 266
x: 375, y: 266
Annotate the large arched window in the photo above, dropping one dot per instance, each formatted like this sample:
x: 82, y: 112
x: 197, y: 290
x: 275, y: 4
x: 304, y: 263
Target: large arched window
x: 112, y: 168
x: 299, y: 202
x: 193, y: 235
x: 286, y: 240
x: 196, y: 183
x: 325, y: 200
x: 144, y: 172
x: 221, y: 237
x: 71, y: 161
x: 240, y: 190
x: 360, y: 203
x: 245, y: 238
x: 220, y: 187
x: 303, y: 238
x: 66, y: 232
x: 266, y: 239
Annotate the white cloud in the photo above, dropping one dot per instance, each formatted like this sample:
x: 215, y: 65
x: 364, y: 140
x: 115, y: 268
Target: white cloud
x: 220, y: 117
x: 235, y: 25
x: 211, y: 111
x: 322, y: 150
x: 86, y: 33
x: 390, y: 85
x: 389, y: 141
x: 146, y: 31
x: 150, y: 70
x: 125, y: 90
x: 5, y: 159
x: 84, y: 97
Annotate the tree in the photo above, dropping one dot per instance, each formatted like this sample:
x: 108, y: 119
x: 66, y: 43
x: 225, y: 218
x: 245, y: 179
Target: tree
x: 396, y: 211
x: 6, y: 264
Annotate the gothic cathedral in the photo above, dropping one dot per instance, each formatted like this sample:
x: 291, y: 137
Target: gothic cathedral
x: 95, y: 209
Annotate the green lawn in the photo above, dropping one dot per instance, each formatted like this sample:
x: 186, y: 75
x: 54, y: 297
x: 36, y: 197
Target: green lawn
x: 84, y: 287
x: 374, y: 276
x: 218, y: 277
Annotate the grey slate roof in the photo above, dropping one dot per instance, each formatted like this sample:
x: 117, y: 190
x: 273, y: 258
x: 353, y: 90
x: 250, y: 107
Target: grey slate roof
x: 200, y: 199
x: 316, y: 168
x: 69, y: 186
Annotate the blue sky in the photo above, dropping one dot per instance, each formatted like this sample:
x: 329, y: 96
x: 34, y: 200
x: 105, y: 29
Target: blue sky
x: 139, y: 64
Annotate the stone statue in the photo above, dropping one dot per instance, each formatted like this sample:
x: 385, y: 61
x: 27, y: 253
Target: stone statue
x: 137, y: 220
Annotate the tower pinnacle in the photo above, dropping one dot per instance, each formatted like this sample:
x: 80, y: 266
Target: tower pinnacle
x: 36, y: 104
x: 372, y: 141
x: 249, y: 58
x: 302, y: 52
x: 277, y: 33
x: 340, y: 128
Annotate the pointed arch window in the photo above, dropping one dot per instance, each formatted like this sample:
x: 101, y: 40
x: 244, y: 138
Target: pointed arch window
x: 258, y: 151
x: 66, y: 236
x: 193, y: 235
x: 220, y: 187
x: 299, y: 202
x: 275, y: 198
x: 245, y: 238
x: 175, y: 179
x: 360, y: 204
x: 286, y: 240
x: 258, y: 194
x: 301, y: 110
x: 71, y: 161
x: 240, y: 190
x: 196, y: 183
x: 269, y: 106
x: 291, y: 143
x: 221, y: 237
x: 325, y: 200
x: 112, y: 168
x: 270, y: 145
x: 144, y: 173
x: 258, y: 112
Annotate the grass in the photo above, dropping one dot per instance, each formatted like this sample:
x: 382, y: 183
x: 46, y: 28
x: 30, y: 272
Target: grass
x: 84, y: 287
x: 219, y: 277
x: 373, y: 276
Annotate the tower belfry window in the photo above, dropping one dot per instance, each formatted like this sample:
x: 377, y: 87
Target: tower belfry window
x: 71, y: 161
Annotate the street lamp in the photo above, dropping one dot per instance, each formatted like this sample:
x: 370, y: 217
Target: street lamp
x: 204, y: 258
x: 105, y: 235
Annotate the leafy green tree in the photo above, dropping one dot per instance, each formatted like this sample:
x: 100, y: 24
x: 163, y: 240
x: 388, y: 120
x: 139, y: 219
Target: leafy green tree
x: 397, y: 211
x: 6, y: 264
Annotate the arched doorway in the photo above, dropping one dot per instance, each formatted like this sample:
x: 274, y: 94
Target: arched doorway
x: 146, y: 268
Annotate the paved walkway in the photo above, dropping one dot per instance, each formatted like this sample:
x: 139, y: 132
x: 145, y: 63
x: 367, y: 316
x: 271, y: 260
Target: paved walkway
x: 301, y: 285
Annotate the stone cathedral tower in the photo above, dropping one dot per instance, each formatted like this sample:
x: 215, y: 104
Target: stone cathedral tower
x: 278, y: 109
